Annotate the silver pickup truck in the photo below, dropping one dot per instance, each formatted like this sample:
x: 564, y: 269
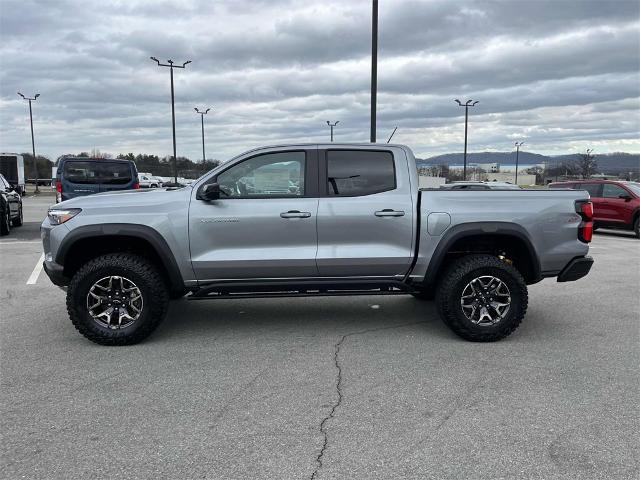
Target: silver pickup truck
x: 304, y: 220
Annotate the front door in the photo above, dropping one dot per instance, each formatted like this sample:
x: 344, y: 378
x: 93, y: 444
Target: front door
x: 616, y: 208
x: 263, y: 225
x: 365, y: 216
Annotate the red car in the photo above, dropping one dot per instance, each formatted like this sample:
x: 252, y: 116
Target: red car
x: 616, y: 204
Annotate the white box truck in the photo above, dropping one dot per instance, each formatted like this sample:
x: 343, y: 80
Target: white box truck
x: 12, y: 167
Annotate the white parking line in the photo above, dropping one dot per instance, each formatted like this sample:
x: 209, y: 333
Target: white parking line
x: 18, y: 242
x: 33, y: 278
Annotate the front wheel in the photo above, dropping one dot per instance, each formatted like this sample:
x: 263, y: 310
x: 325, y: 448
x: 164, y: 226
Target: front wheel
x: 19, y: 220
x: 117, y: 299
x: 482, y: 298
x: 636, y: 227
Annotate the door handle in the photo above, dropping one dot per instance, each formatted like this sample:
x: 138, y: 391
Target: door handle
x: 295, y: 214
x: 388, y: 212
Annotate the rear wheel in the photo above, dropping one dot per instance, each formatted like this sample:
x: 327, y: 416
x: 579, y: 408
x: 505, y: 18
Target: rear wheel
x: 481, y: 298
x: 636, y: 227
x: 117, y: 299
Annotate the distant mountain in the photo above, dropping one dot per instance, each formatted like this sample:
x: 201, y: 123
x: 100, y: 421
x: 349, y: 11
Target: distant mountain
x: 609, y: 163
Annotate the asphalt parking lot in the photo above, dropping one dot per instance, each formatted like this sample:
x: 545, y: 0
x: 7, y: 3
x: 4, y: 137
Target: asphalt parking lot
x: 326, y: 388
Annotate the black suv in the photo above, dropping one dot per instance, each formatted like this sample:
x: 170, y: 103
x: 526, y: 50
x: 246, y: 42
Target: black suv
x: 10, y: 207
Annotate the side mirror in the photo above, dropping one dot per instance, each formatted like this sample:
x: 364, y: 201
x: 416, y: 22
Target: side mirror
x: 209, y: 192
x: 625, y: 196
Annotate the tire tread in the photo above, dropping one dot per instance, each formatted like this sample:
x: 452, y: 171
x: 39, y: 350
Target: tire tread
x: 159, y: 301
x: 454, y: 274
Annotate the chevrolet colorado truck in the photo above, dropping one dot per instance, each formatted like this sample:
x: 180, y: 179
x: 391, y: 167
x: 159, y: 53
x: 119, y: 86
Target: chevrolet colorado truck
x: 307, y: 220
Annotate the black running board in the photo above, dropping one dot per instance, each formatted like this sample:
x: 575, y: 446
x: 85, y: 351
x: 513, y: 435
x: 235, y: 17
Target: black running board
x: 278, y: 289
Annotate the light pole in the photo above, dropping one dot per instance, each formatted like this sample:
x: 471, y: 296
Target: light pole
x: 518, y: 145
x: 374, y: 67
x: 202, y: 114
x: 469, y: 103
x: 173, y: 109
x: 33, y: 143
x: 331, y: 125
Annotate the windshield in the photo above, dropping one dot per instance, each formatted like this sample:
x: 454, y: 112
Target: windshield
x: 634, y: 187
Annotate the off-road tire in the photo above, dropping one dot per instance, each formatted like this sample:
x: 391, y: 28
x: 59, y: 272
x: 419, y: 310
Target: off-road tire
x: 139, y: 270
x: 5, y: 219
x: 452, y: 284
x: 636, y: 227
x: 18, y: 221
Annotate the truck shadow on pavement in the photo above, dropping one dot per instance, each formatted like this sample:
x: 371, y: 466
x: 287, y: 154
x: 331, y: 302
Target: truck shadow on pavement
x: 297, y: 316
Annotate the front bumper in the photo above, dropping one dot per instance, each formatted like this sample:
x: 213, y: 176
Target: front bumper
x: 55, y: 273
x: 575, y: 269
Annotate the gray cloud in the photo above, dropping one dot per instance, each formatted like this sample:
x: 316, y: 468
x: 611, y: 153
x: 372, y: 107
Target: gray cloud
x: 563, y: 74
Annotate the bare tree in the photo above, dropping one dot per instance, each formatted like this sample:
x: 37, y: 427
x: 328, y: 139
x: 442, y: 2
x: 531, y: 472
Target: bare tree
x: 586, y: 165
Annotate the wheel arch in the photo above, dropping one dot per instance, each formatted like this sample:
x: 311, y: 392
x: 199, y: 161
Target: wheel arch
x: 90, y: 241
x: 486, y: 237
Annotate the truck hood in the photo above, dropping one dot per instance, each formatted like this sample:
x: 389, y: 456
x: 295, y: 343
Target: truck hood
x: 141, y: 196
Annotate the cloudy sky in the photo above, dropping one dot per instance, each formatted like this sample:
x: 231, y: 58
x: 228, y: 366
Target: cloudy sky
x: 560, y: 75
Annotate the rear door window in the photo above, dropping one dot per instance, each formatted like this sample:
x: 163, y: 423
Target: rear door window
x: 359, y: 172
x: 81, y: 172
x: 594, y: 189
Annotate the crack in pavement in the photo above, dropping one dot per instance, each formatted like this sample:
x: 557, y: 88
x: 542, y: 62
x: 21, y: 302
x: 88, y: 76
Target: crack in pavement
x: 335, y: 406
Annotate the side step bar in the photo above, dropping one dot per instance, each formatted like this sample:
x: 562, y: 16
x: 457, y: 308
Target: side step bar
x: 276, y: 289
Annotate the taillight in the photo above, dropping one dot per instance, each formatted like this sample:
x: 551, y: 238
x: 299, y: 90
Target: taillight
x: 586, y: 209
x: 585, y: 229
x: 136, y: 186
x: 58, y: 191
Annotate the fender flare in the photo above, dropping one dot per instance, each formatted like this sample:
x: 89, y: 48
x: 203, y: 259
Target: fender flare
x: 481, y: 228
x: 155, y: 239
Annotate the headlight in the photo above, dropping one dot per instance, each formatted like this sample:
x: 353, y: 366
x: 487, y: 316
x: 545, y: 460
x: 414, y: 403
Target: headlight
x: 58, y: 217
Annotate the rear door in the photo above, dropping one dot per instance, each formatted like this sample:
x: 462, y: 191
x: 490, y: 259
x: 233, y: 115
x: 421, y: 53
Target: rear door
x: 79, y: 178
x: 595, y: 192
x: 264, y: 224
x: 365, y: 214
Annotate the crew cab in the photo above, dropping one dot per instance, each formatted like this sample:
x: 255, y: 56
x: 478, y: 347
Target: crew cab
x: 305, y: 220
x: 616, y: 203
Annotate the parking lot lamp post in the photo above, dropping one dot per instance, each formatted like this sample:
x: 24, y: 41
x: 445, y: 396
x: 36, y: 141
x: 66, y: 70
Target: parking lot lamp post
x: 518, y: 145
x: 173, y: 109
x: 374, y: 68
x: 202, y: 114
x: 331, y: 125
x: 469, y: 103
x: 33, y: 143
